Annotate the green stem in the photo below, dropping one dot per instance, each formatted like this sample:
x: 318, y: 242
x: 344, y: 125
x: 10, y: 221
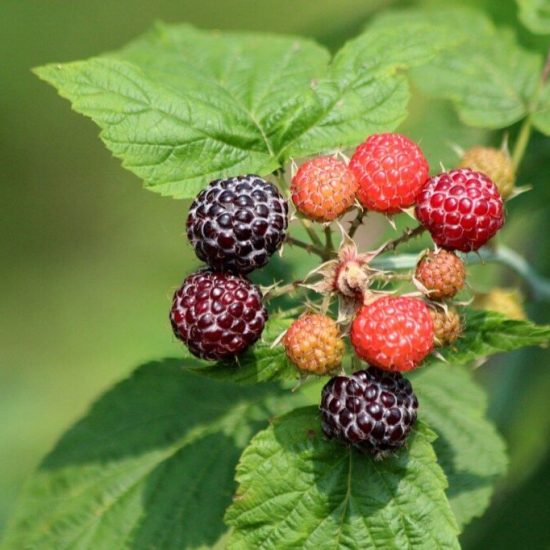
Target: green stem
x: 306, y: 224
x: 527, y: 127
x: 319, y: 250
x: 407, y: 235
x: 540, y: 286
x: 329, y: 244
x: 521, y: 142
x: 289, y: 288
x: 355, y: 363
x: 356, y: 223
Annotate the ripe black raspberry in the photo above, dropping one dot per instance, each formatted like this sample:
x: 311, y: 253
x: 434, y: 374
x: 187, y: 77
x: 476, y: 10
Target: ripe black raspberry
x: 372, y: 409
x: 238, y: 223
x: 217, y: 315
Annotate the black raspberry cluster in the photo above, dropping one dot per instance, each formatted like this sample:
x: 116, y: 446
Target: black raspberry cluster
x: 235, y: 225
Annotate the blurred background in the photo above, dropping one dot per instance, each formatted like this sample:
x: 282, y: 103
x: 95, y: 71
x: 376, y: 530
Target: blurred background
x: 89, y: 259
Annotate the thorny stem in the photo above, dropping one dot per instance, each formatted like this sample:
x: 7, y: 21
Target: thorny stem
x: 327, y: 253
x: 356, y: 223
x: 311, y: 248
x: 306, y: 224
x: 329, y: 245
x: 407, y: 235
x: 540, y: 286
x: 284, y: 289
x: 391, y: 276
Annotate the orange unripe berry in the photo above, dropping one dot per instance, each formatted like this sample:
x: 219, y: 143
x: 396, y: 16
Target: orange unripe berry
x: 441, y: 273
x: 323, y: 188
x: 314, y: 344
x: 447, y: 325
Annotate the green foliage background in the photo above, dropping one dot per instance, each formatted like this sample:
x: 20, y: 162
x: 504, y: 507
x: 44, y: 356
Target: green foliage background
x: 89, y: 260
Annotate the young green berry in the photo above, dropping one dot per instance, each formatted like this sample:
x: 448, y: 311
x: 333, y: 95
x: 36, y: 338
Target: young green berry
x: 441, y: 273
x: 314, y: 344
x: 495, y: 163
x: 371, y: 409
x: 323, y: 188
x: 508, y: 301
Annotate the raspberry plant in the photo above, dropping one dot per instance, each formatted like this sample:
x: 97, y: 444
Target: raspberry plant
x: 213, y: 447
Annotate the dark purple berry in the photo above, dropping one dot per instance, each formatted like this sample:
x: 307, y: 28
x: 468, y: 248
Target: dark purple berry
x: 217, y: 315
x: 371, y: 409
x: 238, y: 223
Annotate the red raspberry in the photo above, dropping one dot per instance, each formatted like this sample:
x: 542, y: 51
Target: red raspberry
x: 442, y: 273
x: 323, y: 188
x: 314, y: 344
x: 394, y: 333
x: 217, y: 315
x: 462, y: 209
x: 391, y: 169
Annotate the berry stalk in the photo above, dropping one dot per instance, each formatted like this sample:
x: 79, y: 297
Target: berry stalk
x: 527, y: 127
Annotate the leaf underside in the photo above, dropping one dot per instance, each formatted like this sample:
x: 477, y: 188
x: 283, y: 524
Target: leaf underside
x: 150, y: 466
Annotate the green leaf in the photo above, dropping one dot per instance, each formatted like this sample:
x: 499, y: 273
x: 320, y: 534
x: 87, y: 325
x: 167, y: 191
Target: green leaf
x: 489, y: 77
x: 535, y: 15
x: 262, y: 363
x: 468, y: 447
x: 541, y: 115
x: 298, y: 490
x: 364, y: 92
x: 489, y: 332
x: 151, y: 465
x: 181, y: 107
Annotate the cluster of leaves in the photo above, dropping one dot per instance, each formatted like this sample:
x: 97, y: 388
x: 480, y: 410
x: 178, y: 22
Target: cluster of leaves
x: 153, y: 462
